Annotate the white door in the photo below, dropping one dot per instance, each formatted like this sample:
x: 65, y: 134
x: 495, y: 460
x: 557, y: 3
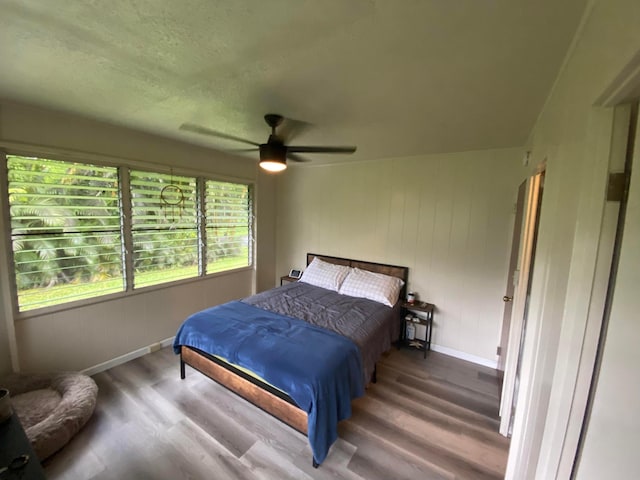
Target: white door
x: 512, y: 279
x: 517, y: 327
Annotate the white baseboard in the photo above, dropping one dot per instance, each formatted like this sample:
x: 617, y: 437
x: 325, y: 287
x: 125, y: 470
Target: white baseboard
x: 465, y: 356
x: 169, y: 341
x: 101, y: 367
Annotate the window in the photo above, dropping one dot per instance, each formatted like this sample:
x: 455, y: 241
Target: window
x: 77, y: 233
x: 164, y: 227
x: 228, y: 226
x: 65, y: 231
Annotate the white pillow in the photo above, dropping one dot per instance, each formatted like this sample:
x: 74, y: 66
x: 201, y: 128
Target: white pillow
x: 374, y: 286
x: 324, y: 274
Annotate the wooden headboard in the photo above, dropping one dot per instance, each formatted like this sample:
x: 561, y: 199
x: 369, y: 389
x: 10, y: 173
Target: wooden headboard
x: 393, y: 270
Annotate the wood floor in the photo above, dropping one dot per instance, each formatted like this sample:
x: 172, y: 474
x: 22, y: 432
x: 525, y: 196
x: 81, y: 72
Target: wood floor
x: 423, y: 419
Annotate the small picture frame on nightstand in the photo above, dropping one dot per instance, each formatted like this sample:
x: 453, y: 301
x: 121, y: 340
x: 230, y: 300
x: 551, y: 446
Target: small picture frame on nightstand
x: 295, y: 273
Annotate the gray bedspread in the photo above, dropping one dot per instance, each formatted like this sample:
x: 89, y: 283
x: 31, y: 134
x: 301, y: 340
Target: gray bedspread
x: 370, y: 325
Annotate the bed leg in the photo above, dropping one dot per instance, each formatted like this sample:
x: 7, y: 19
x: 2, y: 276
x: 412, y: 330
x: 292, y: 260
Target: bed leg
x: 182, y: 372
x: 315, y: 464
x: 374, y: 375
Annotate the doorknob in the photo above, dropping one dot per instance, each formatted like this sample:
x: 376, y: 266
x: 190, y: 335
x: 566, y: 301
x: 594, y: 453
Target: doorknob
x: 507, y: 299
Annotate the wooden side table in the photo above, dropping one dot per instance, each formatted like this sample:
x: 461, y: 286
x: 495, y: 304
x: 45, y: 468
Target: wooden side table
x: 422, y: 307
x: 287, y: 278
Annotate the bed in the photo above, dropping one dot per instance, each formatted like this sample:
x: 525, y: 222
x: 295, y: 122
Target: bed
x: 304, y: 350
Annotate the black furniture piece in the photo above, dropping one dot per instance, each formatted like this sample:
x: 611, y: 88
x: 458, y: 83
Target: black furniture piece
x: 426, y: 320
x: 17, y: 458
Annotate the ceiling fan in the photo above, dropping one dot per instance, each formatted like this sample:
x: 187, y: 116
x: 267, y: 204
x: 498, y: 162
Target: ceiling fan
x: 274, y: 153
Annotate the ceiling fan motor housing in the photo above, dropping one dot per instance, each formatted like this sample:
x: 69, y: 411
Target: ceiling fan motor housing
x: 273, y: 151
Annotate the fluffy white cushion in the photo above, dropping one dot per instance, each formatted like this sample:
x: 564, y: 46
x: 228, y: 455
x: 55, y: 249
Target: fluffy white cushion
x: 324, y: 274
x: 374, y: 286
x: 51, y: 407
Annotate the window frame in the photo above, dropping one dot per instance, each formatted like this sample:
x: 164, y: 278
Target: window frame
x: 123, y: 166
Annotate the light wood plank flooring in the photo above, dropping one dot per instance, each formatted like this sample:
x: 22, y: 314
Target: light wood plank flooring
x: 423, y: 419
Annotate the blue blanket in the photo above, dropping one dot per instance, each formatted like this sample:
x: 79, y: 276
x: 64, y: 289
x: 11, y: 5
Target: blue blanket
x: 319, y: 369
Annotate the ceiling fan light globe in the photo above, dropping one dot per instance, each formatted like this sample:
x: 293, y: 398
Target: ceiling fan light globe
x: 273, y: 156
x: 273, y: 165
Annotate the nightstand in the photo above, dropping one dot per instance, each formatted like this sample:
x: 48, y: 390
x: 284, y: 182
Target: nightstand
x: 287, y: 278
x: 422, y: 307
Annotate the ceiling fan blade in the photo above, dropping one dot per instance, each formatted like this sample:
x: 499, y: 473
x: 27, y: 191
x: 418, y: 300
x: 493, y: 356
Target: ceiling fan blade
x: 300, y: 149
x: 292, y: 128
x: 242, y: 149
x: 296, y: 158
x: 190, y: 127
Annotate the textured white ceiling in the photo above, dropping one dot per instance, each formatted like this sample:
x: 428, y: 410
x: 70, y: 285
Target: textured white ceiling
x: 394, y: 77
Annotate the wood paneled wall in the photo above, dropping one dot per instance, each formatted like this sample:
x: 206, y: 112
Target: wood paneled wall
x: 448, y: 217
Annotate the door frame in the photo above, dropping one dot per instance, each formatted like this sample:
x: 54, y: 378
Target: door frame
x: 544, y: 440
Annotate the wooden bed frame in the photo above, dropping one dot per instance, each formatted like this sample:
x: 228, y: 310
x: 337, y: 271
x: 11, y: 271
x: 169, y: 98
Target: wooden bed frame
x: 269, y: 399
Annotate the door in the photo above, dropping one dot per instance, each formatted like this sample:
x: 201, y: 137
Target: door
x: 517, y: 324
x: 512, y: 279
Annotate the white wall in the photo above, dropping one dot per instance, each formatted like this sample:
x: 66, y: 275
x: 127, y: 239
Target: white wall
x: 567, y: 134
x: 82, y: 337
x: 86, y: 336
x: 448, y: 217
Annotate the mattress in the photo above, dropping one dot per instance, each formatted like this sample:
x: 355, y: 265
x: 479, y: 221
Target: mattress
x: 372, y: 326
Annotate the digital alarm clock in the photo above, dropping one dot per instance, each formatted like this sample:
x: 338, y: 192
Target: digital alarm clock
x: 295, y: 273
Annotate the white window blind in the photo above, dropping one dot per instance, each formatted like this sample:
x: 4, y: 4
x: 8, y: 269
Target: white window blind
x: 65, y: 231
x: 164, y: 227
x: 228, y: 226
